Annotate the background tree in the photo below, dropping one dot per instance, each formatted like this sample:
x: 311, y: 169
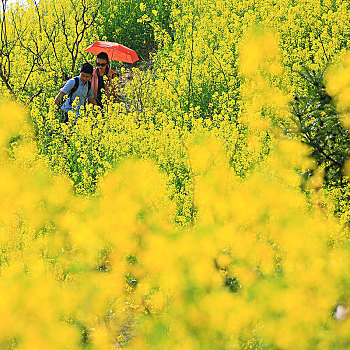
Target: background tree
x: 7, y: 46
x: 320, y: 128
x: 43, y: 43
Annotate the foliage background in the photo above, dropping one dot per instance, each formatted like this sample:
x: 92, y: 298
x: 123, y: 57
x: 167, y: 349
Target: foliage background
x: 200, y: 210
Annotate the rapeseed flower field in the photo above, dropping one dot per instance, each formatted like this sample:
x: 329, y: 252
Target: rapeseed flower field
x: 192, y: 211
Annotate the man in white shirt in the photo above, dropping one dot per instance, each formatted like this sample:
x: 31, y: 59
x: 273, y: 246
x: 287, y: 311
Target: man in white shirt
x: 77, y: 88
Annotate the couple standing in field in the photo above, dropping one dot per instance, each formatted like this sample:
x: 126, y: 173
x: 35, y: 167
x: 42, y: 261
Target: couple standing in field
x: 90, y: 84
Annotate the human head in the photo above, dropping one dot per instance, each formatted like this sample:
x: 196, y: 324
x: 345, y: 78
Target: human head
x: 85, y: 72
x: 102, y: 62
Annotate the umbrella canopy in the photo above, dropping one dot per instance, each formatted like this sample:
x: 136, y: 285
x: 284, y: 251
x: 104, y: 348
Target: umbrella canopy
x: 115, y: 51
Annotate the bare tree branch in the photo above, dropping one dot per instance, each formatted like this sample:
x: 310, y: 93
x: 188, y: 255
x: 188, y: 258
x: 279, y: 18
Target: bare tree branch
x: 5, y: 50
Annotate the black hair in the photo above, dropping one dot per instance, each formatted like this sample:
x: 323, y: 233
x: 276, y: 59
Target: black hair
x: 86, y: 68
x: 103, y: 56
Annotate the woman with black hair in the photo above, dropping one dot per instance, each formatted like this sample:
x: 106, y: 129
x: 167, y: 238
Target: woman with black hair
x: 102, y: 78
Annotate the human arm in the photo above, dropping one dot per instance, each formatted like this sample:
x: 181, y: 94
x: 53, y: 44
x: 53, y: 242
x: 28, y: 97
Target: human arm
x: 64, y: 91
x: 91, y: 97
x: 58, y: 98
x: 93, y: 101
x: 111, y: 90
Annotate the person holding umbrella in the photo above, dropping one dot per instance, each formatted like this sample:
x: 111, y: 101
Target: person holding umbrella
x: 105, y: 51
x: 102, y: 77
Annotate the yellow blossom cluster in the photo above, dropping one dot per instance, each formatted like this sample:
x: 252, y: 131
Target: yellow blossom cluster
x: 258, y: 265
x: 173, y: 217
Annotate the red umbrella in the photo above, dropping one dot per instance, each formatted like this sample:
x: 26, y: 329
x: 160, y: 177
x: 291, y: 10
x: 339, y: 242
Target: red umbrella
x: 115, y: 51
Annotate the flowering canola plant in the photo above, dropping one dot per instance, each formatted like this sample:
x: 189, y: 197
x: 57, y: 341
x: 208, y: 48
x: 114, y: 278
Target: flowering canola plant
x: 174, y: 219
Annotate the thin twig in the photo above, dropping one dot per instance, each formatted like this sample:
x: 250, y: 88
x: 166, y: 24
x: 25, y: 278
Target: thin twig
x: 223, y: 73
x: 191, y: 64
x: 324, y: 50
